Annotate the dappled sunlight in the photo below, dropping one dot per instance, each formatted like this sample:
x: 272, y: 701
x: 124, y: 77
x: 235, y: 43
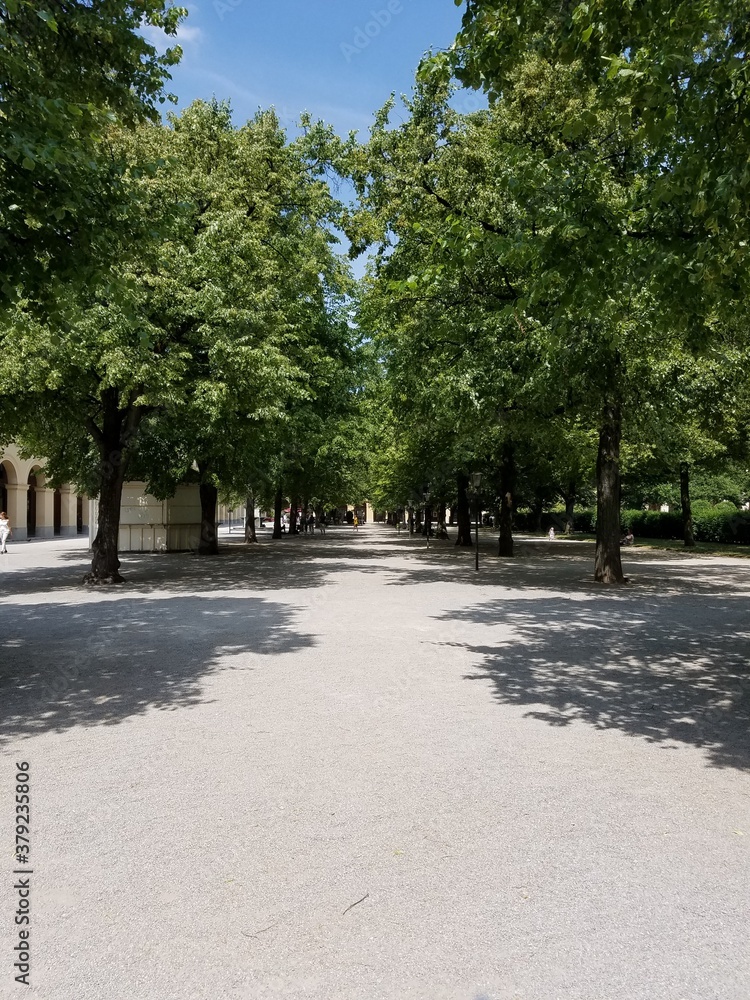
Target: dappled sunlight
x: 675, y: 671
x: 105, y: 661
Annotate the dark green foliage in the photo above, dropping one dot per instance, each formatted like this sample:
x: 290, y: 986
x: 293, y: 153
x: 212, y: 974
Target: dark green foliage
x: 653, y: 523
x: 732, y: 483
x: 584, y: 521
x: 723, y: 524
x: 68, y: 71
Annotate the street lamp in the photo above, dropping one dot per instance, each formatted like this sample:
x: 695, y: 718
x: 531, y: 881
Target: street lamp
x: 476, y: 482
x: 426, y: 496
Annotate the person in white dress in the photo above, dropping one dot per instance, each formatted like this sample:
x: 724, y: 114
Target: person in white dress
x: 5, y: 532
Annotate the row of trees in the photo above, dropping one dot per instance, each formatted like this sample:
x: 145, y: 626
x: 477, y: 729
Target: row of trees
x: 217, y: 348
x: 558, y: 289
x: 561, y: 280
x: 173, y: 306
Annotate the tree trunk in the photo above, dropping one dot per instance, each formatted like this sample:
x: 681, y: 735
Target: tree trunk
x: 463, y: 511
x: 410, y: 512
x: 209, y: 541
x: 114, y: 439
x: 507, y: 488
x: 687, y: 512
x: 105, y: 562
x: 537, y: 510
x: 278, y: 503
x: 607, y: 562
x: 418, y: 520
x: 427, y: 526
x: 570, y: 502
x: 250, y: 535
x: 293, y: 505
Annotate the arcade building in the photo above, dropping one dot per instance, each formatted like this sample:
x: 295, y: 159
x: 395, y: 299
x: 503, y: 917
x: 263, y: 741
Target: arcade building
x: 36, y: 510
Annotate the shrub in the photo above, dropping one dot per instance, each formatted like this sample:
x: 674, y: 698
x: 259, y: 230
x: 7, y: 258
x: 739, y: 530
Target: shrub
x: 723, y: 523
x: 526, y: 520
x: 523, y: 520
x: 652, y: 523
x: 585, y: 520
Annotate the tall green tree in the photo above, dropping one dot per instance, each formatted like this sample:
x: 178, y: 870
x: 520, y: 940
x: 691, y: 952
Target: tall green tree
x: 644, y: 168
x: 678, y: 73
x: 513, y: 275
x: 68, y: 70
x: 183, y: 354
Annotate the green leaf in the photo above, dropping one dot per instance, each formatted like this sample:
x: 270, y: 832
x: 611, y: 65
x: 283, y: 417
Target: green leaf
x: 48, y: 19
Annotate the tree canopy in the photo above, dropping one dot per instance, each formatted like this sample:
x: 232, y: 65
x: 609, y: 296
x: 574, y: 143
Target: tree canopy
x: 68, y: 71
x: 557, y: 295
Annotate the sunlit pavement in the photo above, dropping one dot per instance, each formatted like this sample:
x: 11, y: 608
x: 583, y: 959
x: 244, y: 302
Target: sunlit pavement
x: 350, y: 768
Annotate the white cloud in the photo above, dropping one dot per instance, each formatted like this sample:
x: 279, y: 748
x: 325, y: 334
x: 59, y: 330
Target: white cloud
x: 187, y: 35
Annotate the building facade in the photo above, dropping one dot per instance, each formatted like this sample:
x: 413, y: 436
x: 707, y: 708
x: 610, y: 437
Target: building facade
x: 36, y: 510
x: 151, y: 525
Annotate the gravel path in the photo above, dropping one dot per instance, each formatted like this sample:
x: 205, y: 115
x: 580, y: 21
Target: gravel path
x: 346, y: 768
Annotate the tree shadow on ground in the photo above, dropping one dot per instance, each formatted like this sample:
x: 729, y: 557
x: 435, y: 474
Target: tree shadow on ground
x: 105, y: 660
x: 674, y: 672
x: 568, y: 566
x: 307, y: 561
x: 296, y: 562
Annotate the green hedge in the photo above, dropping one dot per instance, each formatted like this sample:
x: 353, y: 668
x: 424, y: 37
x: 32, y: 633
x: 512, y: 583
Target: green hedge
x: 583, y: 520
x: 525, y: 520
x: 652, y: 523
x: 723, y: 523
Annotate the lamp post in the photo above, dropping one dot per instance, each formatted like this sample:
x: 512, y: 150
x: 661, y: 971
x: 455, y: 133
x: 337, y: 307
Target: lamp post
x: 426, y: 496
x: 476, y: 482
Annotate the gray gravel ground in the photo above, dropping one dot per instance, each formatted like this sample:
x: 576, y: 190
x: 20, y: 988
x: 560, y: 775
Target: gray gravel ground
x: 346, y: 768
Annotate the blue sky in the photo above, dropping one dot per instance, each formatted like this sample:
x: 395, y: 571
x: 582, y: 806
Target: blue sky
x: 338, y: 59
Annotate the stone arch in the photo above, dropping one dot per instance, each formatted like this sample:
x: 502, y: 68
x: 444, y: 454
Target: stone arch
x: 8, y: 472
x: 35, y: 474
x: 12, y: 498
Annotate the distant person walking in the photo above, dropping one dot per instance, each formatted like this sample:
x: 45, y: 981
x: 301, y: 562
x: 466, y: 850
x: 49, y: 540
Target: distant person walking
x: 5, y: 532
x: 551, y: 534
x: 355, y: 522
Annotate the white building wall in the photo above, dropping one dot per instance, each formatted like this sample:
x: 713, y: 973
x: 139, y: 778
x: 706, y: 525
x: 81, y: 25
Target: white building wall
x: 151, y: 525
